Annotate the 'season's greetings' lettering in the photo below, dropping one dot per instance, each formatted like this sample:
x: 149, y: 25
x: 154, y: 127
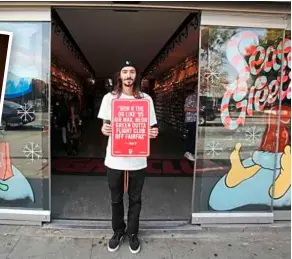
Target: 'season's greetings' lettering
x: 262, y: 92
x: 131, y: 123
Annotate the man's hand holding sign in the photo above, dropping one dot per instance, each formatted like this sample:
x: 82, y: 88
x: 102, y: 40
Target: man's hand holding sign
x: 107, y: 127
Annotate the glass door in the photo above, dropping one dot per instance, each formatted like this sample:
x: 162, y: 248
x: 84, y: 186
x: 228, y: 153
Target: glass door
x: 281, y: 190
x: 238, y: 146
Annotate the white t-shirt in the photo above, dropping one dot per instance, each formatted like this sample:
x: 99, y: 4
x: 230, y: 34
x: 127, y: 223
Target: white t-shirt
x: 123, y: 163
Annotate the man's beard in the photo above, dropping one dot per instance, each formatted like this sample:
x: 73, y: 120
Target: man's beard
x: 128, y: 82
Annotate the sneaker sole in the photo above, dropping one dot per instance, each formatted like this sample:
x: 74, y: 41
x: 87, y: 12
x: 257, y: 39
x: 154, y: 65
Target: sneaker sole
x: 115, y: 249
x: 135, y: 251
x: 190, y: 159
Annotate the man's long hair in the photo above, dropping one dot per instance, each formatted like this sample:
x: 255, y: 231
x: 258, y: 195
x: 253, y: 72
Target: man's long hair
x: 118, y: 89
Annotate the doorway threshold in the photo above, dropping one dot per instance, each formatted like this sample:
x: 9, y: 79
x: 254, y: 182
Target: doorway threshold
x: 105, y: 225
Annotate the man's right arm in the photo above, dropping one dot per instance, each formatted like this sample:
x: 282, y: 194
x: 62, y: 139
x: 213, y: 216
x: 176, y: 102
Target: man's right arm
x: 104, y: 114
x: 104, y: 109
x: 106, y: 128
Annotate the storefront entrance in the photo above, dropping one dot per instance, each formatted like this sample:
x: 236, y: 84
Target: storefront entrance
x: 239, y: 65
x: 164, y: 45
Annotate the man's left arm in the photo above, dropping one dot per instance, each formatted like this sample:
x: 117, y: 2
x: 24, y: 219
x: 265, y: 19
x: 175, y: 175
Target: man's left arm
x: 189, y: 107
x: 153, y: 121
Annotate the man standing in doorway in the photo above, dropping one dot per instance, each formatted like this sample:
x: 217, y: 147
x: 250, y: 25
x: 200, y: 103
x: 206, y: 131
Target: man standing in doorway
x: 127, y: 88
x: 190, y: 109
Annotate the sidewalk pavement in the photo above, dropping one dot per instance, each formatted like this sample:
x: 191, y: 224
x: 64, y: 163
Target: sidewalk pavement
x: 19, y: 242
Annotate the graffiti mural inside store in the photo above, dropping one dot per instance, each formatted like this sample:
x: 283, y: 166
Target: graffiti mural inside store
x: 249, y: 58
x: 13, y: 185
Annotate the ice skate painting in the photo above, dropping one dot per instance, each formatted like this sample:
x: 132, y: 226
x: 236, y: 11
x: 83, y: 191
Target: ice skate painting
x: 266, y: 175
x: 13, y: 184
x: 251, y: 181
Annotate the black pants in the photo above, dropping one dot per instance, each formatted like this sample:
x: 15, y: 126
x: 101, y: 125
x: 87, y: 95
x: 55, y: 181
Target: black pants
x: 191, y: 137
x: 116, y: 185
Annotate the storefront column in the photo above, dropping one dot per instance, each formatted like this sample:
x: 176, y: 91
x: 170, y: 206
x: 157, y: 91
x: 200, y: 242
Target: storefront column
x: 26, y: 192
x: 284, y: 212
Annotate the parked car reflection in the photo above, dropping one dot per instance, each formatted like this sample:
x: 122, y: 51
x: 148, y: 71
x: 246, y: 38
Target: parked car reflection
x: 16, y: 115
x: 207, y: 110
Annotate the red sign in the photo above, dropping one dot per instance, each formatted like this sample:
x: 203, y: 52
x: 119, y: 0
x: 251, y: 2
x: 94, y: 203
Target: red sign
x: 130, y: 128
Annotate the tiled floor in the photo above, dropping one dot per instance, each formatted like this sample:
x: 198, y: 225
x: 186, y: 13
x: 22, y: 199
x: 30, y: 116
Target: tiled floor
x: 87, y: 197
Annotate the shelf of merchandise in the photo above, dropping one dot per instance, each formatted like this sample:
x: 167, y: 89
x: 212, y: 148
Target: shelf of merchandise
x: 64, y: 82
x: 169, y: 102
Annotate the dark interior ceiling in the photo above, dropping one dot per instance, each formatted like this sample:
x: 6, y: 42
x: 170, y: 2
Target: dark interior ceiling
x: 108, y: 38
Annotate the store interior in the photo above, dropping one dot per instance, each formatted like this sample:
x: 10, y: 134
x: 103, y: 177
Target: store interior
x: 86, y: 54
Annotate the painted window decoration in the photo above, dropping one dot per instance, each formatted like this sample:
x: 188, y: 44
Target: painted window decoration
x: 26, y: 64
x: 13, y: 184
x: 240, y: 71
x: 24, y: 130
x: 284, y: 120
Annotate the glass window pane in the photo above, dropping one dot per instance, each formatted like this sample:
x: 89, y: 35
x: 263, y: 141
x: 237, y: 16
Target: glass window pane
x: 24, y: 175
x: 239, y: 103
x: 282, y: 182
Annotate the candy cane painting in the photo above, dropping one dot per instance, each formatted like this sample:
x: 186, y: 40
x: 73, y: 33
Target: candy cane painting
x: 239, y: 88
x: 245, y: 45
x: 13, y: 185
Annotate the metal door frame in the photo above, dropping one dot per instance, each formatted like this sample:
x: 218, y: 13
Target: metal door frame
x: 24, y: 216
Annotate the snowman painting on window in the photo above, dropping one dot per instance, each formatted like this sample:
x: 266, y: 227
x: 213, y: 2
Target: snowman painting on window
x: 251, y: 181
x: 13, y: 184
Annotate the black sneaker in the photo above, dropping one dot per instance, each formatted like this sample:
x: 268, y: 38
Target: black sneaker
x: 134, y: 244
x: 114, y: 242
